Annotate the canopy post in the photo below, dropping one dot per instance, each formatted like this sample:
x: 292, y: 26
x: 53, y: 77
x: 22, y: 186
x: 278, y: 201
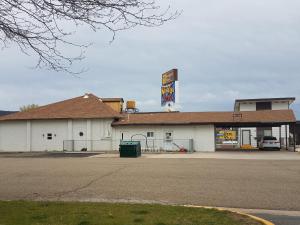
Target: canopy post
x: 294, y: 136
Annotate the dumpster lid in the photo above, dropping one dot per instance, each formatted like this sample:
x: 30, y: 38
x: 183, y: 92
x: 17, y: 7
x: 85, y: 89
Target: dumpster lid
x: 130, y: 142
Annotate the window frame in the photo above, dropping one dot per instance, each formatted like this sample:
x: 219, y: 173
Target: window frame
x: 49, y: 136
x: 170, y: 138
x: 150, y: 134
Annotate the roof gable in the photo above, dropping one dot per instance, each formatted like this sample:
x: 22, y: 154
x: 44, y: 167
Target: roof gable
x: 88, y: 106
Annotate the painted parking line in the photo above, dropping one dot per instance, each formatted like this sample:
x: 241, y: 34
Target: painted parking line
x: 265, y: 222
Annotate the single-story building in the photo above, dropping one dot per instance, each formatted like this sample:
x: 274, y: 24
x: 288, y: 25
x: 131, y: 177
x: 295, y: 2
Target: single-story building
x: 90, y: 123
x: 46, y: 128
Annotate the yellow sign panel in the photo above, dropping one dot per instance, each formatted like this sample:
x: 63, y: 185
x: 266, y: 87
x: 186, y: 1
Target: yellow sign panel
x: 169, y: 77
x: 221, y: 134
x: 230, y: 135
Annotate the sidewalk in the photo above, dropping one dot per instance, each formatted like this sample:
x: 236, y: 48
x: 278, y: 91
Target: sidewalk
x: 283, y: 155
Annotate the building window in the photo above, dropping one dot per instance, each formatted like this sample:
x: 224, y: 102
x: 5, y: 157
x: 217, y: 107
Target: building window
x: 263, y: 106
x: 49, y: 136
x: 80, y: 134
x: 169, y: 136
x: 150, y: 134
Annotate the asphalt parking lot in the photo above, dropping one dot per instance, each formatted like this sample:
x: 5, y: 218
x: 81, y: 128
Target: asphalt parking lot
x: 46, y: 155
x: 235, y: 183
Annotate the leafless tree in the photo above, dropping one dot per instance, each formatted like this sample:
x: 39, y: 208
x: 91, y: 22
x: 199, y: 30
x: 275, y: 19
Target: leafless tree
x: 42, y: 27
x: 26, y: 108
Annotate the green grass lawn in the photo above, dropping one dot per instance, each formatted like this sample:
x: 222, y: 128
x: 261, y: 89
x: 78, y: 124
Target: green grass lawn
x: 56, y: 213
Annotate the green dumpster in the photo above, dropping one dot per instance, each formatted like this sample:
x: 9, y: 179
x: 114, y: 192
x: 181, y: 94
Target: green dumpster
x: 130, y: 149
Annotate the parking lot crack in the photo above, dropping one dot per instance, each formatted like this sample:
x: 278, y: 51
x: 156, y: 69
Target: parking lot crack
x: 88, y: 184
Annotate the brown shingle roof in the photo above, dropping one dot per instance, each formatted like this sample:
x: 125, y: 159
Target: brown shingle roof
x: 84, y: 107
x: 184, y: 118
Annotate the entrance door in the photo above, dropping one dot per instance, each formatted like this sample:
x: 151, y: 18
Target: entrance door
x: 150, y: 145
x: 48, y: 141
x: 246, y: 137
x: 168, y: 141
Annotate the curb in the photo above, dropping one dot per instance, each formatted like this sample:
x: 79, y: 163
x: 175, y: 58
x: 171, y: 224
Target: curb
x: 265, y: 222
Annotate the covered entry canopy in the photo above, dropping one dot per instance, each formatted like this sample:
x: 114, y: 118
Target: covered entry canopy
x: 259, y: 122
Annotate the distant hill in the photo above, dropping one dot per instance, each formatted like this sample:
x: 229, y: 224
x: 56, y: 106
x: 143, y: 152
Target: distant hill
x: 3, y: 113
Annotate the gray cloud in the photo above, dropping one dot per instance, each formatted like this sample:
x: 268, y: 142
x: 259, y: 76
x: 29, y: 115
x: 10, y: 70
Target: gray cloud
x: 223, y: 50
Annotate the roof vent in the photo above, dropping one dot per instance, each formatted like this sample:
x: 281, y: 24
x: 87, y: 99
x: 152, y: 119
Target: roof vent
x: 86, y: 95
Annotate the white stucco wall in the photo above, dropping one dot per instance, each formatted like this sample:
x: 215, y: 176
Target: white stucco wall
x: 247, y: 106
x: 13, y: 136
x: 280, y: 105
x: 32, y: 135
x: 80, y: 142
x: 102, y: 134
x: 97, y: 134
x: 251, y: 106
x: 203, y: 136
x: 39, y: 131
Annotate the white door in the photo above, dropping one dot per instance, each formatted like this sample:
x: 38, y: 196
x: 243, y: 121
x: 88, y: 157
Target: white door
x: 150, y: 144
x: 246, y: 137
x: 48, y: 141
x: 168, y: 141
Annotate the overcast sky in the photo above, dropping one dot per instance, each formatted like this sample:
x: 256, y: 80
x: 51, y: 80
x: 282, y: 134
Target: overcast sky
x: 223, y: 49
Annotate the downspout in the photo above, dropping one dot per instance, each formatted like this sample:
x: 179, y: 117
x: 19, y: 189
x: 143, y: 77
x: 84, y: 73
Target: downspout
x: 286, y: 133
x: 286, y: 138
x: 280, y: 137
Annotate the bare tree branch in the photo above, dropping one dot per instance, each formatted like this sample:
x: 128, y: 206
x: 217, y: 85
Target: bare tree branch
x: 39, y: 26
